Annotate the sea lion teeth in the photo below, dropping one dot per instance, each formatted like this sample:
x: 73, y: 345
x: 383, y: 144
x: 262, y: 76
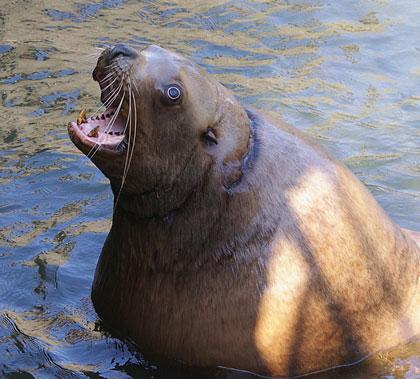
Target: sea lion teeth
x: 82, y: 117
x: 94, y: 132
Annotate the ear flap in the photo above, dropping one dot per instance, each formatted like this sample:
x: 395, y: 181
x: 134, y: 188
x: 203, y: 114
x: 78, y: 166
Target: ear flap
x: 209, y: 136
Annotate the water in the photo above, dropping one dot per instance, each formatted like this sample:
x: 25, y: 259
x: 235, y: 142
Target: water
x: 347, y: 72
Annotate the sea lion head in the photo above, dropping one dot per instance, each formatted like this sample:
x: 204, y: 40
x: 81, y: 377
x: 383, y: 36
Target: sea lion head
x: 167, y: 125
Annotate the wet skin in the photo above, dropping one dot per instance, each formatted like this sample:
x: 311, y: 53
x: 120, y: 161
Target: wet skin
x: 236, y: 239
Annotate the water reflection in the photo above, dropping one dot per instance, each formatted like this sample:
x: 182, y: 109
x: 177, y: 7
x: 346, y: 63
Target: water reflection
x: 346, y: 72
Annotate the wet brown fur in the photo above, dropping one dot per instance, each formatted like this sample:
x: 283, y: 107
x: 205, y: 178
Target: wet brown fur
x: 261, y: 252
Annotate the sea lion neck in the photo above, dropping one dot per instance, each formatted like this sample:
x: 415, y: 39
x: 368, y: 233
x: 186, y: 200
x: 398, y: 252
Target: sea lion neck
x: 225, y: 164
x: 167, y: 242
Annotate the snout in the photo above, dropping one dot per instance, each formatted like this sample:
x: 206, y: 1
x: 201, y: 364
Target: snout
x: 121, y: 49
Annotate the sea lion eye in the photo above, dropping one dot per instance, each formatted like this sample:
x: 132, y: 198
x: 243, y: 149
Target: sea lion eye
x: 173, y: 93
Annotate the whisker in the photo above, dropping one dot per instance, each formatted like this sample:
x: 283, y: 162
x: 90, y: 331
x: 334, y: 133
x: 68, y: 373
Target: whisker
x: 135, y: 129
x: 110, y: 98
x: 128, y: 122
x: 107, y: 78
x: 92, y: 55
x: 136, y: 88
x: 114, y: 116
x: 96, y: 147
x: 113, y: 95
x: 110, y: 84
x: 130, y: 149
x: 112, y: 66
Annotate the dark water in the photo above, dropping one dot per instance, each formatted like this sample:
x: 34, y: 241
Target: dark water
x: 347, y: 72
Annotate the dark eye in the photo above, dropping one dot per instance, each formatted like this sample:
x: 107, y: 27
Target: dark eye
x: 173, y: 93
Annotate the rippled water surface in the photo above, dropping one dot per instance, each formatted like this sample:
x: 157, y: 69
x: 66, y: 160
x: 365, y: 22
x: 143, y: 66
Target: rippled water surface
x: 347, y: 72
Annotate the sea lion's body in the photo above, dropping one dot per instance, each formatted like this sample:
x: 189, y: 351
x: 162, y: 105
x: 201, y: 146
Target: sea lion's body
x: 251, y: 248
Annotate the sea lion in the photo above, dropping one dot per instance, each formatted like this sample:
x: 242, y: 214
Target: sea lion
x: 237, y: 240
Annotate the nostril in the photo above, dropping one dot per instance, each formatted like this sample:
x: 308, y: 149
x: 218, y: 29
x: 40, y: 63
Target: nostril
x: 121, y: 49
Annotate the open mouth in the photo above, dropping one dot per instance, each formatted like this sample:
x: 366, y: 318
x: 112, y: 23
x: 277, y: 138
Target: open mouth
x: 106, y: 131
